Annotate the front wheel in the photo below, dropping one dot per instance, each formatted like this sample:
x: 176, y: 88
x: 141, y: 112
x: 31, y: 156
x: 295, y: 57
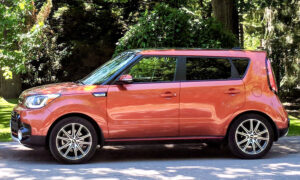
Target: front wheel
x: 73, y: 140
x: 250, y: 136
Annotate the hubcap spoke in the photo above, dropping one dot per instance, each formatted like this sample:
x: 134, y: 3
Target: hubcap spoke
x: 251, y: 125
x: 84, y: 143
x: 73, y: 130
x: 75, y: 152
x: 263, y: 138
x: 243, y: 141
x: 80, y: 149
x: 256, y: 127
x: 64, y: 146
x: 83, y: 137
x: 253, y: 147
x: 79, y: 130
x: 241, y: 133
x: 262, y: 132
x: 258, y: 145
x: 68, y: 150
x: 66, y: 133
x: 63, y: 138
x: 245, y: 147
x: 246, y: 130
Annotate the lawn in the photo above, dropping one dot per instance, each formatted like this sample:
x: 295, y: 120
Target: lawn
x: 6, y: 106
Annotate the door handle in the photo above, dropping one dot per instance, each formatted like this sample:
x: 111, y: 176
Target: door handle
x: 168, y: 94
x: 232, y: 91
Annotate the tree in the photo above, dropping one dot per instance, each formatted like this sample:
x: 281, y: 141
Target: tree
x: 226, y: 12
x: 172, y: 27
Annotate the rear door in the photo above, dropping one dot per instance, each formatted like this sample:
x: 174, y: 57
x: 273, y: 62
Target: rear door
x: 213, y: 89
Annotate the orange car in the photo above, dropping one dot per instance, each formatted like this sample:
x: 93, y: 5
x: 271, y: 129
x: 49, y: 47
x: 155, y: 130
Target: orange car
x: 171, y: 95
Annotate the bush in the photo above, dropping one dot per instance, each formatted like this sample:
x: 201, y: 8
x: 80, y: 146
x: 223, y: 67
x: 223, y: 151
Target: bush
x: 172, y: 27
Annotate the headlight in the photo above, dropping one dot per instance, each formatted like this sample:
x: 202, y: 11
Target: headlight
x: 38, y: 101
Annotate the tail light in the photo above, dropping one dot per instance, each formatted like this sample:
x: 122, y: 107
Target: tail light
x: 271, y: 77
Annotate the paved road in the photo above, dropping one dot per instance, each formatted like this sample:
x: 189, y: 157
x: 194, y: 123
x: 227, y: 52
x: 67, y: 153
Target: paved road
x: 154, y: 162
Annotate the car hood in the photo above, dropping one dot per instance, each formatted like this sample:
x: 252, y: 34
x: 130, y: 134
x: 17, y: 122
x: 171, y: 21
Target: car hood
x: 58, y: 88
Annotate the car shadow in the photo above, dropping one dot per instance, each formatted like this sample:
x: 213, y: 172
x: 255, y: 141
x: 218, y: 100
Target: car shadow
x: 150, y: 152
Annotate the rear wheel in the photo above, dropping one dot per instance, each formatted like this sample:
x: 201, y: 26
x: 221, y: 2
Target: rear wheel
x: 250, y: 136
x: 73, y: 140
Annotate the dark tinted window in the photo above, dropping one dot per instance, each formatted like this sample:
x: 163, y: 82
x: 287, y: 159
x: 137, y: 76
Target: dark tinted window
x: 241, y: 65
x: 207, y: 68
x: 153, y: 69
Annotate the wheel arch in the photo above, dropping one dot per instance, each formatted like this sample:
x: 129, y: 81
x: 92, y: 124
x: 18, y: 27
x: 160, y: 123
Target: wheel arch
x: 88, y: 118
x: 274, y: 127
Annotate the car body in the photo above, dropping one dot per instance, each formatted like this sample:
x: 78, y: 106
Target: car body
x: 176, y: 104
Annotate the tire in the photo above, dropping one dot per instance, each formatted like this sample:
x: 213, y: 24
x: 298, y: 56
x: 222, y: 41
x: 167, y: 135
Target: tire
x: 241, y: 142
x: 73, y: 148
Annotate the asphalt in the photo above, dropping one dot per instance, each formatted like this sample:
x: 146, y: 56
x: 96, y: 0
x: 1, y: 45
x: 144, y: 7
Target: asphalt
x: 182, y: 161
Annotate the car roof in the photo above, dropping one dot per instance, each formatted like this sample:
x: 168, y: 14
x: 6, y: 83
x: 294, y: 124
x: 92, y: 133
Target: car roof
x: 199, y: 52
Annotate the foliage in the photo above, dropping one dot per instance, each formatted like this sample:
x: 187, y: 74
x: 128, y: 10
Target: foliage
x: 151, y: 69
x: 78, y: 36
x: 15, y: 34
x: 275, y: 26
x: 170, y: 27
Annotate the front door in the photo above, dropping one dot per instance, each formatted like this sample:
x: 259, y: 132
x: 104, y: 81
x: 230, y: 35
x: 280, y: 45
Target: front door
x: 149, y: 106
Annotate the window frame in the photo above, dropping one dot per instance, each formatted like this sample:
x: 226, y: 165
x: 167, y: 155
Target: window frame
x: 177, y: 72
x: 233, y: 68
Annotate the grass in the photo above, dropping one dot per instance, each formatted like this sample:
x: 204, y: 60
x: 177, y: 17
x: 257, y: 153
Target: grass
x: 294, y: 129
x: 6, y: 106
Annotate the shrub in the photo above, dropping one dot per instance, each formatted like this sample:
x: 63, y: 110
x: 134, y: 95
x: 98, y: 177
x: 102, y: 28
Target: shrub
x: 171, y: 27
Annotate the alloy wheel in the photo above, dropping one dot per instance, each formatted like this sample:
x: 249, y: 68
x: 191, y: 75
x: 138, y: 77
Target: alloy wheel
x: 73, y: 141
x: 252, y: 136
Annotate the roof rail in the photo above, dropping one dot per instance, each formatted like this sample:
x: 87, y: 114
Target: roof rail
x: 237, y: 48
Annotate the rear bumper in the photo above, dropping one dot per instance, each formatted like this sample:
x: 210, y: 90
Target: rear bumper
x: 27, y: 139
x: 284, y: 131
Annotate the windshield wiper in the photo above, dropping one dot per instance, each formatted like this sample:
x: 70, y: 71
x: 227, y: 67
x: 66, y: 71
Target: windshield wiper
x: 79, y: 82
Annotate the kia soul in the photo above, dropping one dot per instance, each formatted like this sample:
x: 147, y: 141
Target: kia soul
x: 161, y: 96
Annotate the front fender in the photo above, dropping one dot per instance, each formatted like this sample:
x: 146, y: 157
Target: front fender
x: 86, y: 104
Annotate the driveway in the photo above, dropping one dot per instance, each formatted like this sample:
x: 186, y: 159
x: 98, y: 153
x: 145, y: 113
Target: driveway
x: 193, y: 161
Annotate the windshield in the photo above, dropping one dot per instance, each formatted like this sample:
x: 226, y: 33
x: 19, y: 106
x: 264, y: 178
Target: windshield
x: 102, y: 73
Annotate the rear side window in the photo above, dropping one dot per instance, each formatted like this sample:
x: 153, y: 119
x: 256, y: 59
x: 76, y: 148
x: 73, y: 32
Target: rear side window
x: 207, y: 68
x: 241, y: 66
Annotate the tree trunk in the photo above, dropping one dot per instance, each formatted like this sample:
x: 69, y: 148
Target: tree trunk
x: 226, y: 12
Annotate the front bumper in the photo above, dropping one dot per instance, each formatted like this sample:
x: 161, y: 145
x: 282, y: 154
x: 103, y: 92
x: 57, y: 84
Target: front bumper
x: 26, y: 138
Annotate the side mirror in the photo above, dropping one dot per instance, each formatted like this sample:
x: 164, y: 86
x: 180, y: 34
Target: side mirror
x: 125, y: 79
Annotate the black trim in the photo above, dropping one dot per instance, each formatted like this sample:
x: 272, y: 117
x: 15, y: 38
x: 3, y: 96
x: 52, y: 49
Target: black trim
x: 34, y: 141
x: 234, y: 72
x: 173, y: 141
x: 180, y: 69
x: 282, y: 132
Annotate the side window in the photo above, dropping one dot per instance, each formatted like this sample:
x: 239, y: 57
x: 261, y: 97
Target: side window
x: 153, y: 69
x: 207, y: 68
x: 241, y: 66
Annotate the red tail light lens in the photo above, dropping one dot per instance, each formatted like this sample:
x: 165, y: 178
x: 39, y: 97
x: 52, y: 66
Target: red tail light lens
x: 271, y: 77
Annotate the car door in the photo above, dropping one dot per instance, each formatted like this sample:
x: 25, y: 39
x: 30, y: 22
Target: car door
x: 212, y: 91
x: 149, y: 106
